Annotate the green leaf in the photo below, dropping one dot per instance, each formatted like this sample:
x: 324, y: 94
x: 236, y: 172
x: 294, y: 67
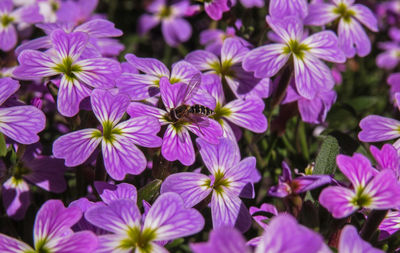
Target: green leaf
x: 3, y: 147
x: 326, y: 158
x: 149, y: 191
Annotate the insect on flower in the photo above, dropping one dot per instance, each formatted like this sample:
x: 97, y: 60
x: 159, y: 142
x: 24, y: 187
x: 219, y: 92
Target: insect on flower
x: 191, y: 113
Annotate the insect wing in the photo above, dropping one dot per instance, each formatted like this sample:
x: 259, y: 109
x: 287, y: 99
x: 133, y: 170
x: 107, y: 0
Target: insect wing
x: 192, y: 87
x: 198, y: 120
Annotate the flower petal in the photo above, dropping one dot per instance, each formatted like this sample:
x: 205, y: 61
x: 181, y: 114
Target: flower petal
x: 76, y: 147
x: 351, y: 242
x: 116, y: 217
x: 8, y: 87
x: 233, y: 51
x: 148, y: 65
x: 183, y: 71
x: 137, y: 109
x: 177, y: 145
x: 109, y: 192
x: 377, y: 128
x: 192, y: 187
x: 80, y: 242
x: 16, y: 197
x: 69, y: 44
x: 243, y: 175
x: 206, y: 128
x: 357, y: 169
x: 98, y: 72
x: 337, y: 200
x: 22, y: 123
x: 171, y: 220
x: 108, y: 107
x: 98, y: 28
x: 365, y: 16
x: 320, y: 14
x: 70, y: 95
x: 8, y: 38
x: 324, y: 45
x: 353, y: 39
x: 172, y: 95
x: 175, y: 31
x: 34, y: 64
x: 201, y: 59
x: 265, y: 61
x: 386, y: 158
x: 138, y: 86
x: 283, y: 8
x: 11, y: 245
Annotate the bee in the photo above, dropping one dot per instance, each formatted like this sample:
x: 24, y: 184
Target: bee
x: 191, y: 113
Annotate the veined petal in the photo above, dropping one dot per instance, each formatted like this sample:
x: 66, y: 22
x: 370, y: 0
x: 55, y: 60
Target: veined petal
x: 69, y: 44
x: 183, y: 71
x: 243, y: 175
x: 346, y: 2
x: 116, y: 217
x: 172, y: 95
x: 98, y: 72
x: 148, y: 65
x: 311, y: 76
x: 170, y: 219
x: 79, y: 242
x: 206, y: 128
x: 337, y: 200
x: 138, y: 86
x: 22, y: 123
x: 8, y: 87
x: 108, y: 107
x: 177, y: 145
x: 351, y: 242
x: 324, y: 45
x: 386, y: 158
x: 219, y: 157
x: 353, y: 39
x: 233, y: 51
x: 109, y: 192
x: 320, y: 14
x: 288, y: 29
x: 16, y: 197
x: 202, y: 60
x: 192, y: 187
x: 248, y: 114
x: 142, y: 131
x: 38, y: 43
x: 266, y: 61
x: 76, y: 147
x: 282, y: 8
x: 137, y: 109
x: 34, y: 64
x: 8, y: 38
x: 53, y: 221
x: 11, y: 245
x: 121, y: 157
x: 98, y: 28
x: 365, y: 16
x: 227, y: 210
x: 384, y: 191
x: 357, y: 169
x: 70, y: 95
x: 378, y: 128
x: 111, y: 243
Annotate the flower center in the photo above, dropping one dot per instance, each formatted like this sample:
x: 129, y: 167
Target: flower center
x: 219, y: 181
x: 41, y: 247
x: 138, y: 239
x: 67, y: 67
x: 54, y: 6
x: 220, y: 112
x: 344, y: 12
x: 5, y: 20
x: 223, y: 69
x: 20, y: 170
x: 361, y: 199
x: 165, y: 12
x: 295, y: 48
x: 109, y: 132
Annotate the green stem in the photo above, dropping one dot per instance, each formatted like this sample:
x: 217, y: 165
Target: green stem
x: 372, y: 223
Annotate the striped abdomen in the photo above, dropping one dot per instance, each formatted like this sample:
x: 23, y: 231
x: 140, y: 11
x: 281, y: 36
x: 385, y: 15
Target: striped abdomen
x: 201, y: 109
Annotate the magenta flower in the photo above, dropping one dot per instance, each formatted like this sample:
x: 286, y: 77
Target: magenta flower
x: 259, y: 217
x: 52, y: 233
x: 394, y: 83
x: 118, y: 140
x: 174, y: 28
x: 370, y: 188
x: 77, y: 75
x: 310, y: 73
x: 283, y: 8
x: 35, y: 169
x: 177, y: 143
x: 20, y: 123
x: 222, y: 239
x: 390, y: 58
x: 287, y: 185
x: 9, y: 18
x: 216, y: 8
x: 230, y: 179
x: 351, y: 242
x: 391, y: 224
x: 387, y: 158
x: 375, y: 128
x: 167, y: 219
x: 228, y: 68
x: 352, y: 37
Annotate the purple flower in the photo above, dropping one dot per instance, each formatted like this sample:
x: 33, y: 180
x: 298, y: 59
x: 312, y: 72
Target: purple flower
x: 229, y: 179
x: 77, y: 75
x: 118, y: 140
x: 216, y: 8
x: 228, y: 68
x: 283, y: 8
x: 20, y: 123
x: 391, y: 224
x: 222, y: 239
x: 287, y: 185
x: 351, y: 242
x: 284, y: 234
x: 258, y: 214
x: 177, y: 143
x: 167, y: 219
x: 376, y: 128
x: 9, y: 17
x: 33, y: 168
x: 394, y: 82
x: 370, y: 189
x: 390, y: 58
x: 174, y: 28
x: 387, y: 158
x: 310, y: 73
x: 352, y: 37
x: 52, y: 233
